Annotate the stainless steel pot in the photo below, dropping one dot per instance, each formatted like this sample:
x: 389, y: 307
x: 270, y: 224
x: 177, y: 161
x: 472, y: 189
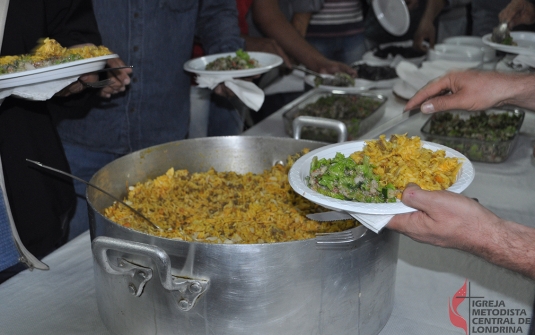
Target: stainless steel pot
x: 152, y: 285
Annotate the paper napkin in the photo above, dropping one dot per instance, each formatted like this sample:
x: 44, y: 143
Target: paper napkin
x: 40, y: 92
x: 374, y: 222
x: 523, y: 62
x: 250, y: 94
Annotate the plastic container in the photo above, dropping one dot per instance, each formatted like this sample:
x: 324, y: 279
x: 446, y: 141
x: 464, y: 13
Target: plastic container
x: 473, y: 147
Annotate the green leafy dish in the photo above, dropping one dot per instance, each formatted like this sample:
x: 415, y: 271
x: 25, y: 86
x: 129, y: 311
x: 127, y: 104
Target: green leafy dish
x: 241, y: 61
x: 485, y: 136
x: 342, y: 178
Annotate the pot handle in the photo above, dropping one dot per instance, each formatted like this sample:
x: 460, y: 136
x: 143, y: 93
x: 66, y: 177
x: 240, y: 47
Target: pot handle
x: 320, y: 122
x: 187, y: 289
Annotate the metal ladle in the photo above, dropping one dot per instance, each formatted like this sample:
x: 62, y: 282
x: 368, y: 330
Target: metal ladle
x: 95, y: 186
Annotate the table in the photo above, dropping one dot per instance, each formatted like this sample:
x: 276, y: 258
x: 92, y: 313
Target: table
x: 62, y: 300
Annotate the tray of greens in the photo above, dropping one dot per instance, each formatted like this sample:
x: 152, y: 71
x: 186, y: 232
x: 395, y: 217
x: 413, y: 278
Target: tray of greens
x: 484, y: 136
x: 358, y: 111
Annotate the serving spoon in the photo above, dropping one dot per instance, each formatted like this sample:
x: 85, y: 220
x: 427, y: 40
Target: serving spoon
x: 500, y: 33
x: 96, y: 187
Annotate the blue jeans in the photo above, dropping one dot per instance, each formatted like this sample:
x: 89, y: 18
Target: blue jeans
x: 224, y: 119
x: 345, y: 49
x: 84, y: 164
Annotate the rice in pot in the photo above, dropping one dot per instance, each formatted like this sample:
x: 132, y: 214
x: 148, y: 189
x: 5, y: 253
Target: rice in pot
x: 223, y: 207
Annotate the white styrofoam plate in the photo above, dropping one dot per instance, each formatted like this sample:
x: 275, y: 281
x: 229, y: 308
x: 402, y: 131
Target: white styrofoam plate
x: 393, y: 15
x: 267, y: 61
x: 54, y: 72
x: 489, y: 54
x: 456, y: 53
x: 525, y: 43
x: 301, y: 170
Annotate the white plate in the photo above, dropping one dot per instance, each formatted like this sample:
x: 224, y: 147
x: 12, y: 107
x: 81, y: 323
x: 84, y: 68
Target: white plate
x: 54, y: 72
x: 360, y: 84
x: 393, y: 15
x: 524, y: 39
x: 266, y: 61
x: 404, y: 90
x: 301, y: 169
x: 457, y: 53
x: 489, y: 54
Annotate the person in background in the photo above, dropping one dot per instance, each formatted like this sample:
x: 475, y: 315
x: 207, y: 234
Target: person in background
x: 41, y: 203
x: 449, y: 17
x: 156, y: 37
x: 273, y: 19
x: 215, y: 115
x: 431, y: 21
x: 452, y: 220
x: 487, y: 14
x: 337, y: 30
x: 518, y: 12
x: 377, y: 35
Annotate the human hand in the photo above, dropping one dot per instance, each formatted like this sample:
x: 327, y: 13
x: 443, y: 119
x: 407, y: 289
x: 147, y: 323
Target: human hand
x: 268, y: 45
x: 77, y: 86
x: 518, y: 12
x: 443, y: 218
x: 119, y: 79
x: 426, y: 32
x: 224, y: 91
x: 474, y: 90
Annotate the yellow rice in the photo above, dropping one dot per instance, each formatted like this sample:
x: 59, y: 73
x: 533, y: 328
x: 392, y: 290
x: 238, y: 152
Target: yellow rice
x: 50, y: 48
x: 403, y: 160
x: 223, y: 207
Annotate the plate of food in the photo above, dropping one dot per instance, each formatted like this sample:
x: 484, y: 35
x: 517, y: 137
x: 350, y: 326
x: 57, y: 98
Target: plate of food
x: 237, y: 64
x: 54, y: 72
x: 521, y: 43
x: 50, y: 62
x: 357, y: 177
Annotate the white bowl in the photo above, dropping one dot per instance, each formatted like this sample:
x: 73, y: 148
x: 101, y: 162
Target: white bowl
x: 458, y: 53
x: 489, y: 54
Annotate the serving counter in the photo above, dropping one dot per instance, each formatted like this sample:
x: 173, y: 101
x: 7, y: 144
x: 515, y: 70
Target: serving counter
x: 427, y: 284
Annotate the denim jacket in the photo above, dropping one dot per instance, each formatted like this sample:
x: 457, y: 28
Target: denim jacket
x: 156, y: 37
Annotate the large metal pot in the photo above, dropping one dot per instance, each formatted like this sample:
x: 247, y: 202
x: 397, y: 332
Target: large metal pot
x: 152, y: 285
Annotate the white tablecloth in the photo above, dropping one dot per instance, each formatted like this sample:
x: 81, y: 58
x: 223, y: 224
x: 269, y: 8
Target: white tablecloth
x: 62, y: 300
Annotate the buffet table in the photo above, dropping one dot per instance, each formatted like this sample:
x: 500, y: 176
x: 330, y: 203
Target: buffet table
x: 62, y: 300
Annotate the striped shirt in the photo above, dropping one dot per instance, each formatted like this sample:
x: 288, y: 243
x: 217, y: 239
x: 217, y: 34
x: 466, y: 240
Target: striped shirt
x: 337, y: 18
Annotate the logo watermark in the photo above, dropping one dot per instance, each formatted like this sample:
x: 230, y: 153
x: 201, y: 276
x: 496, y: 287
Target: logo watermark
x: 486, y: 316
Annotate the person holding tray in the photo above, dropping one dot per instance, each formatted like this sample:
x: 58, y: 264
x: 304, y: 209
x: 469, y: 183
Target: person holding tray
x: 40, y: 203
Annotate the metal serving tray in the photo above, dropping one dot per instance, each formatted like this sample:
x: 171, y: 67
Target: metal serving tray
x: 321, y: 129
x: 477, y: 150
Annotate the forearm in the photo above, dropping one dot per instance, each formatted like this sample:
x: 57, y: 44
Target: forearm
x: 300, y: 22
x: 521, y: 91
x: 274, y: 24
x: 507, y: 244
x: 432, y: 9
